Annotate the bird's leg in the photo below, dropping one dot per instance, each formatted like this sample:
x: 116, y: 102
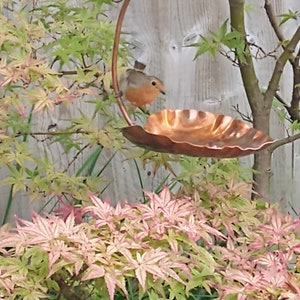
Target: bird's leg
x: 144, y: 110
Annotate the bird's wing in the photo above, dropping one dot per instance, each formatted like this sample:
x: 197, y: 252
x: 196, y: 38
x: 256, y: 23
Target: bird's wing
x: 136, y: 78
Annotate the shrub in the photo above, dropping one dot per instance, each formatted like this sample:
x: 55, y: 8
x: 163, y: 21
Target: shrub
x: 168, y: 248
x: 144, y: 249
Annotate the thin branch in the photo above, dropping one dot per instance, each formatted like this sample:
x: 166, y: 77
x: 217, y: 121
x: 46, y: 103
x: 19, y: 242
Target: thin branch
x: 279, y: 66
x: 75, y: 157
x: 293, y: 209
x: 296, y: 87
x: 283, y: 141
x: 293, y: 110
x: 293, y: 113
x: 52, y: 133
x: 264, y: 54
x: 260, y: 54
x: 272, y: 19
x: 245, y: 117
x: 280, y: 99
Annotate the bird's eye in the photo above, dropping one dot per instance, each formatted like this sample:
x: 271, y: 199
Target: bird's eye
x: 153, y: 82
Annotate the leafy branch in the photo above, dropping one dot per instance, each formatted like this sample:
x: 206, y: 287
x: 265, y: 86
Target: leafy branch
x: 53, y: 56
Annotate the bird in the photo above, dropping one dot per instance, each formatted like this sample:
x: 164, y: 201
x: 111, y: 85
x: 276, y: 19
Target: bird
x: 138, y: 88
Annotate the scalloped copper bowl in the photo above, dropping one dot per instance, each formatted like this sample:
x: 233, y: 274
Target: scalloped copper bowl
x: 197, y: 133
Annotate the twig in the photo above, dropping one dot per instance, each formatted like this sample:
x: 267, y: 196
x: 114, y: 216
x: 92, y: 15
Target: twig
x: 293, y: 113
x: 272, y: 19
x: 75, y: 157
x: 50, y: 133
x: 264, y: 53
x: 293, y: 209
x: 279, y: 98
x: 230, y: 54
x: 244, y: 117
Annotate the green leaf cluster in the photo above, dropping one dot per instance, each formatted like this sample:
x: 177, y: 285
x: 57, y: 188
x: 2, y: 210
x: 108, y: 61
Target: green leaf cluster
x: 231, y: 39
x: 55, y: 60
x: 290, y: 15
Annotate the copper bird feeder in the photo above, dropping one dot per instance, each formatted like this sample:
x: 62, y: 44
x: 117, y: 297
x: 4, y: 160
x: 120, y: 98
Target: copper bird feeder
x: 197, y: 133
x: 189, y: 132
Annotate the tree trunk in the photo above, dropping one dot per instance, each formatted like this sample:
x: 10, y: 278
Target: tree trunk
x: 262, y: 160
x: 260, y: 108
x: 262, y: 174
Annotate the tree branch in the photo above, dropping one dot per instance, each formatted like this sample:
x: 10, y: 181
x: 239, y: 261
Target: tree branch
x: 293, y: 110
x: 283, y: 141
x: 296, y: 88
x: 272, y: 19
x: 279, y: 66
x: 280, y: 99
x: 293, y: 114
x: 247, y: 70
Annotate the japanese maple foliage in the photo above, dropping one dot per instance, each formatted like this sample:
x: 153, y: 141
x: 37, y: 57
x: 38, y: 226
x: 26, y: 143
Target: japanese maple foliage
x: 263, y: 261
x: 153, y: 245
x: 226, y: 247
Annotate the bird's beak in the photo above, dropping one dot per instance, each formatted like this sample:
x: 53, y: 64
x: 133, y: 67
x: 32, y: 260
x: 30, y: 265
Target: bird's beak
x: 163, y: 92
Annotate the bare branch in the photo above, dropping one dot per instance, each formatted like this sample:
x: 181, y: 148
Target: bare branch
x: 293, y: 209
x: 279, y: 66
x: 245, y: 117
x: 280, y: 99
x: 296, y: 87
x: 283, y: 141
x: 293, y: 113
x: 272, y: 18
x: 261, y: 53
x: 293, y: 110
x: 76, y: 156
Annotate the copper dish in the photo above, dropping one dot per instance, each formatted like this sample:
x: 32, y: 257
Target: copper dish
x: 197, y: 133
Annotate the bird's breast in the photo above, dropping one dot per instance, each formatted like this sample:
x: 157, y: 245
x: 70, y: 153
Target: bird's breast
x: 141, y: 96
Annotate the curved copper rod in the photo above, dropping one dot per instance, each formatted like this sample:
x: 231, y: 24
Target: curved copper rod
x: 114, y: 62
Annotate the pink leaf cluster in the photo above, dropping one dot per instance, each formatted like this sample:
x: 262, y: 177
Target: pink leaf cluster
x: 227, y: 245
x: 150, y: 242
x: 263, y: 261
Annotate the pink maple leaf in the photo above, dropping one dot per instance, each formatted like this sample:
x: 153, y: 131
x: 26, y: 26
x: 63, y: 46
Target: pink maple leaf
x: 112, y: 279
x: 280, y: 226
x: 293, y: 289
x: 104, y: 213
x: 94, y: 271
x: 148, y: 262
x: 65, y: 209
